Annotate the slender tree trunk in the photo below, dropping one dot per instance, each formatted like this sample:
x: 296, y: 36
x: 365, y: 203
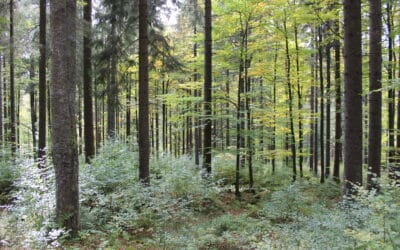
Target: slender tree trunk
x: 42, y: 85
x: 391, y: 93
x: 207, y: 87
x: 87, y: 82
x: 375, y: 97
x: 290, y: 104
x: 144, y: 147
x: 328, y: 112
x: 273, y: 146
x: 12, y: 82
x: 128, y: 108
x: 299, y: 101
x: 63, y: 88
x: 33, y: 106
x: 353, y: 101
x: 321, y: 86
x: 227, y: 111
x: 338, y: 108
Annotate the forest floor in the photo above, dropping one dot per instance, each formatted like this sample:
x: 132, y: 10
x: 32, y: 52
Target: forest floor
x: 182, y: 210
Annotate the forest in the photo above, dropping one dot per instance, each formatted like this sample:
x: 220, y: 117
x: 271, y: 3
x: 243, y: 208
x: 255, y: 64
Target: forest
x: 199, y: 124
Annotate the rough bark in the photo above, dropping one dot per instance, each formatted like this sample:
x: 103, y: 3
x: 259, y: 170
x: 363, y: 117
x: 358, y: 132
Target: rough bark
x: 144, y: 143
x: 13, y: 137
x: 87, y: 83
x: 352, y: 95
x: 375, y: 96
x: 63, y: 125
x: 207, y: 87
x: 42, y: 85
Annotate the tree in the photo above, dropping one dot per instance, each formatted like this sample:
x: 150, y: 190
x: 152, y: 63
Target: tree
x: 352, y: 96
x: 144, y: 143
x: 63, y: 123
x: 375, y: 96
x: 12, y: 81
x: 42, y: 83
x: 207, y: 87
x: 87, y: 82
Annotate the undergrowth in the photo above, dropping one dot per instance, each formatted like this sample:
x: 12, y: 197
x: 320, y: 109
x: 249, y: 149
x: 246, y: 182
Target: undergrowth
x: 182, y: 210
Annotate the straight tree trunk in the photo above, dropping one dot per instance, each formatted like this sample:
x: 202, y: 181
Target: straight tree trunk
x: 207, y: 87
x: 291, y: 122
x: 328, y: 112
x: 299, y: 101
x: 63, y: 88
x: 391, y: 92
x: 42, y: 85
x: 375, y: 96
x: 12, y: 82
x: 338, y: 108
x: 353, y: 101
x: 321, y: 88
x: 33, y: 106
x: 87, y: 83
x: 144, y: 143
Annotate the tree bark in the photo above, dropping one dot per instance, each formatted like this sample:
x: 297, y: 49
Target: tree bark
x: 144, y: 143
x: 338, y: 108
x: 63, y: 88
x: 375, y: 96
x: 42, y: 85
x: 352, y: 96
x: 12, y: 82
x: 87, y: 83
x: 207, y: 87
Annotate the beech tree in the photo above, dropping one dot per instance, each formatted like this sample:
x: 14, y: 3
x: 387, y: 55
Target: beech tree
x: 63, y: 123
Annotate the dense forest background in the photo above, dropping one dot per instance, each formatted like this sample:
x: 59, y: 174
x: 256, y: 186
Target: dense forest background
x: 190, y: 124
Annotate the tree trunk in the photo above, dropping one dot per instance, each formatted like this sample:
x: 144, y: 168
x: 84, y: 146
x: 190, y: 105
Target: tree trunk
x: 42, y: 85
x: 12, y: 83
x: 1, y: 102
x: 207, y: 87
x: 338, y: 108
x: 299, y: 101
x: 328, y: 112
x: 63, y: 88
x: 375, y: 97
x: 321, y: 120
x: 290, y: 104
x: 33, y: 106
x: 352, y: 96
x: 87, y: 82
x: 144, y: 143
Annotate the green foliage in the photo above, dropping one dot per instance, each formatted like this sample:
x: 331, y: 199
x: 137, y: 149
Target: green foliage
x: 8, y: 174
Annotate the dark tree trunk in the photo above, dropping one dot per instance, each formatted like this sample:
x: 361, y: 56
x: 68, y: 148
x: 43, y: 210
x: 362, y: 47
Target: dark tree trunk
x: 352, y: 96
x: 321, y: 120
x: 42, y: 85
x: 32, y: 105
x: 12, y: 82
x: 375, y: 97
x: 299, y: 101
x: 338, y: 108
x: 128, y: 108
x: 87, y: 82
x: 207, y: 87
x: 144, y: 143
x: 391, y: 92
x: 112, y: 88
x: 63, y: 88
x: 328, y: 112
x: 273, y: 146
x: 227, y: 111
x: 290, y: 104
